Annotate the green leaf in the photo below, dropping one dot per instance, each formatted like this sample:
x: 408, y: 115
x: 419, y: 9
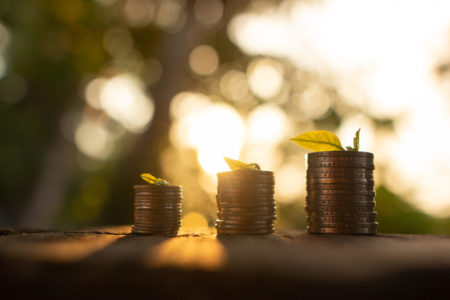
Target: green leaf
x: 356, y: 140
x: 153, y: 180
x: 237, y: 165
x: 319, y: 140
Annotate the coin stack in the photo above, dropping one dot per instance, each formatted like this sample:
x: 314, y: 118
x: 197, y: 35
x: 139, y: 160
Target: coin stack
x: 340, y: 193
x: 245, y: 202
x: 157, y: 209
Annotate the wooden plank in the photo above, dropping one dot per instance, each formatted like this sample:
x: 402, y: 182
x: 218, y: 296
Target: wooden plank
x: 111, y: 261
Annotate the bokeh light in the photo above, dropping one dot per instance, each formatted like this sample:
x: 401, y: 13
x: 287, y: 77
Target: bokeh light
x: 208, y: 12
x: 234, y: 85
x: 221, y: 132
x: 93, y: 139
x: 203, y: 60
x: 139, y: 13
x: 123, y: 98
x: 170, y: 15
x: 265, y: 78
x: 267, y: 125
x: 193, y: 221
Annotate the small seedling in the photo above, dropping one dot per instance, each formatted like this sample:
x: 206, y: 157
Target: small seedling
x: 238, y: 165
x: 153, y: 180
x: 323, y: 140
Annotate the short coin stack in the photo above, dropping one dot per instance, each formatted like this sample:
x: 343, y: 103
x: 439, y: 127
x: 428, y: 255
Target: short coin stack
x: 157, y: 209
x: 245, y: 202
x: 340, y: 193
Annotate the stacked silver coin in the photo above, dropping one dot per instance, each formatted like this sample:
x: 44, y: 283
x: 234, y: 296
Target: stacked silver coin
x: 340, y: 193
x: 245, y: 202
x: 157, y: 209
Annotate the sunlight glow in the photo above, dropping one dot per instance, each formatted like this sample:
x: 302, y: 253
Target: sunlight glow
x: 194, y: 220
x: 267, y: 125
x: 265, y: 78
x: 93, y: 140
x: 124, y: 99
x: 290, y: 183
x: 188, y: 253
x: 221, y: 132
x: 215, y: 130
x: 385, y: 69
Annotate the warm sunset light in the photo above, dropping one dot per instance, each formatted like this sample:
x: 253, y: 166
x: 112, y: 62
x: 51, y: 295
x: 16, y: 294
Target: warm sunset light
x: 203, y: 149
x: 110, y: 89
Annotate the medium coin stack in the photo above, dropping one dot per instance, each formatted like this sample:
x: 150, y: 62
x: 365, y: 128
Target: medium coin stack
x: 157, y: 209
x: 245, y: 202
x: 340, y: 193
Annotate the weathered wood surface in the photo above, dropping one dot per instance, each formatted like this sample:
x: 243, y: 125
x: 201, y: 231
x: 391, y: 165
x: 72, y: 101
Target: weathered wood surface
x: 112, y: 262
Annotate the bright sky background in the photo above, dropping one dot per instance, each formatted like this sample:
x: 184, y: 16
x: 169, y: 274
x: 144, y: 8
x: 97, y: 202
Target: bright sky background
x: 382, y: 56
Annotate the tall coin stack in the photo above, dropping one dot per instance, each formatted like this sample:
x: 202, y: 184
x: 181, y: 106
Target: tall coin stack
x: 245, y: 202
x: 340, y: 193
x: 157, y: 209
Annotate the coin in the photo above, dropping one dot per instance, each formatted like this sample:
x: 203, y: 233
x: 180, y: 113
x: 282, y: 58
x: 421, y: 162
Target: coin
x: 344, y: 180
x: 352, y: 219
x: 245, y: 198
x: 161, y: 214
x: 158, y: 201
x: 345, y: 175
x: 341, y: 192
x: 153, y: 223
x: 337, y: 186
x: 312, y: 229
x: 244, y: 221
x: 346, y: 225
x: 340, y: 203
x: 158, y: 198
x: 251, y: 214
x: 158, y: 204
x: 170, y: 231
x: 247, y: 214
x: 248, y: 207
x: 368, y: 166
x: 270, y: 216
x: 247, y: 227
x: 157, y: 225
x: 349, y: 208
x: 340, y: 197
x: 245, y: 193
x: 270, y: 208
x: 248, y: 200
x: 156, y: 218
x: 354, y: 214
x: 350, y: 159
x: 245, y: 232
x: 160, y: 208
x: 343, y: 170
x: 340, y: 154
